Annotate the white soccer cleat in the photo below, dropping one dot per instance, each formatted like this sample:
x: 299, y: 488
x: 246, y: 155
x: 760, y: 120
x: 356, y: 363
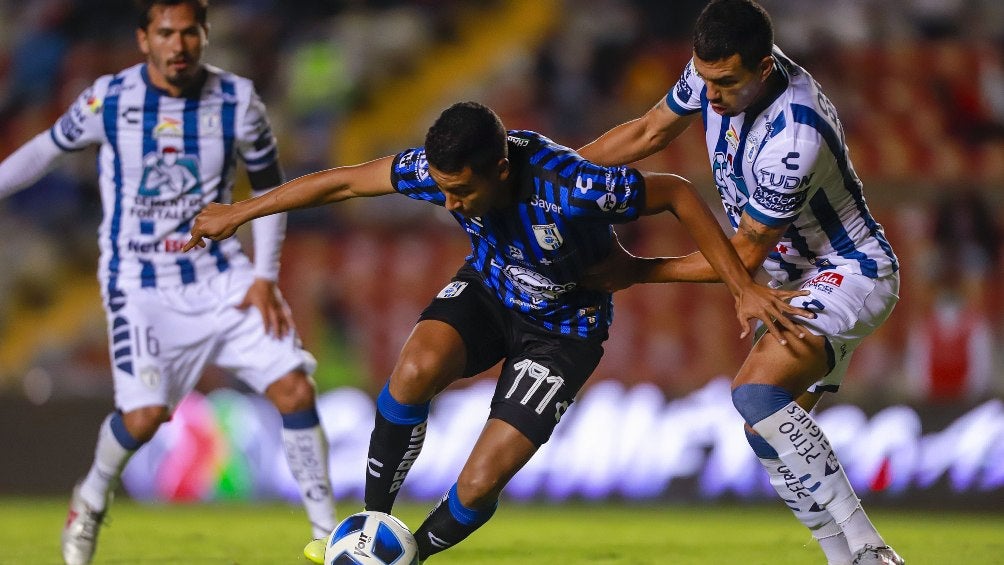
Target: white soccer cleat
x: 880, y: 555
x: 80, y: 534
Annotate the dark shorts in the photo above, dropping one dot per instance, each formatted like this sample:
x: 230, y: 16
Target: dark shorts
x: 542, y: 372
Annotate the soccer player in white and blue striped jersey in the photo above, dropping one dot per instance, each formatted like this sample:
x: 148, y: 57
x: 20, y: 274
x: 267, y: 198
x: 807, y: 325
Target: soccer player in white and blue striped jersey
x: 170, y: 132
x: 785, y: 179
x: 538, y: 217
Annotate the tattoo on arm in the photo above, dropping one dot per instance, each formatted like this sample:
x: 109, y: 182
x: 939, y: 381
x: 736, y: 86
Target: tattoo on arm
x: 756, y: 236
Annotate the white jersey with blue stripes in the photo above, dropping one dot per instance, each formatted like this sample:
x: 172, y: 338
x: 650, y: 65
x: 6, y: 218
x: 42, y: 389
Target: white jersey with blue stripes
x: 789, y: 164
x: 161, y: 160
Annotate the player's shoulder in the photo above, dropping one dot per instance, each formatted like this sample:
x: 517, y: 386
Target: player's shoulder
x: 230, y: 82
x: 122, y: 80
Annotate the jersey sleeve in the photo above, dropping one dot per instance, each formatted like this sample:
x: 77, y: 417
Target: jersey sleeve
x: 685, y: 96
x: 256, y: 141
x: 83, y: 123
x: 610, y: 194
x: 410, y: 176
x: 784, y: 180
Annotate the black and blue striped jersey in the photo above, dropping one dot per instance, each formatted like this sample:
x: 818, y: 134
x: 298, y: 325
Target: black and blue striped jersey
x: 533, y: 253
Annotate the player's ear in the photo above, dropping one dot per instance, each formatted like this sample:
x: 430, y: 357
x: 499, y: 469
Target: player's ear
x: 142, y: 40
x: 503, y: 168
x: 765, y: 67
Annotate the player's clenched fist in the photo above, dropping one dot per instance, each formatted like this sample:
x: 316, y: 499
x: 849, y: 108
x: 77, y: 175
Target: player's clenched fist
x: 215, y: 221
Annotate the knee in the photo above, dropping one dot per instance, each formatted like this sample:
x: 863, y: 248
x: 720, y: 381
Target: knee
x: 292, y: 393
x: 417, y: 377
x: 477, y: 488
x: 757, y: 401
x: 144, y: 422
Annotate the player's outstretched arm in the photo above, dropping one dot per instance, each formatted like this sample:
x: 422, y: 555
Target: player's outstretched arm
x: 638, y: 138
x: 665, y: 192
x: 28, y: 164
x: 220, y: 221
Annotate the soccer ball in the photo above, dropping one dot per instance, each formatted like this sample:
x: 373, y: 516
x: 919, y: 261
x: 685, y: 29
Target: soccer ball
x: 371, y: 538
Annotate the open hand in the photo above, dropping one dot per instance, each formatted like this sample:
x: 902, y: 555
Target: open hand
x: 773, y: 308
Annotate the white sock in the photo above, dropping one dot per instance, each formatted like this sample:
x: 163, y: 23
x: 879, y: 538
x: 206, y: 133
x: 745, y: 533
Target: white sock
x: 819, y: 521
x: 833, y: 543
x: 110, y: 457
x: 803, y: 447
x: 307, y: 455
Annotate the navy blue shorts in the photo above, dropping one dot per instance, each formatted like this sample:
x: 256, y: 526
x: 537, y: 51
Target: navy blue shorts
x: 542, y: 371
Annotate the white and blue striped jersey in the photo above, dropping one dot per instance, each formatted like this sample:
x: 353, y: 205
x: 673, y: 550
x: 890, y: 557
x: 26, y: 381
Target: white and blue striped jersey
x: 532, y: 254
x: 161, y: 160
x: 789, y: 165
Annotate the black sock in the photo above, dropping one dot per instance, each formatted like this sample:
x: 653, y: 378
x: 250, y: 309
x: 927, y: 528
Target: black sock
x: 449, y: 523
x: 397, y: 439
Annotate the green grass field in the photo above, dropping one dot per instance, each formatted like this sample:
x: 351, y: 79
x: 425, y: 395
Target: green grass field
x: 603, y: 534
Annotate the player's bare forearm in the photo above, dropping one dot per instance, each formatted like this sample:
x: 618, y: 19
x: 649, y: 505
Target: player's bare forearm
x: 678, y: 195
x: 219, y: 221
x: 636, y: 139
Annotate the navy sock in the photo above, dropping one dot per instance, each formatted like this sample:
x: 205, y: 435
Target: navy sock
x: 449, y: 523
x: 397, y: 439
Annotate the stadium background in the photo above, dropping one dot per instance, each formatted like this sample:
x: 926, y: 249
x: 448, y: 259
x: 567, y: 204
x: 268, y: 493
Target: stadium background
x: 920, y: 89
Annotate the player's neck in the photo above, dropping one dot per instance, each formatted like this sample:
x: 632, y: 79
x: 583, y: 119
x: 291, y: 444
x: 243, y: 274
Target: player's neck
x: 174, y: 90
x: 772, y: 87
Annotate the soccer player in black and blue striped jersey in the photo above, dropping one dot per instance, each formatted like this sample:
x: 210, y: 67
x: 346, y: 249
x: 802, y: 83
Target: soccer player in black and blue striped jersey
x: 538, y: 216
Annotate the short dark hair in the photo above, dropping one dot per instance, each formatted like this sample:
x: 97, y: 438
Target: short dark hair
x: 727, y: 27
x: 467, y: 134
x: 143, y: 8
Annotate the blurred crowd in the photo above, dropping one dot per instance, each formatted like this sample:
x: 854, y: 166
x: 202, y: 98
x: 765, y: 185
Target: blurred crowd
x: 919, y: 85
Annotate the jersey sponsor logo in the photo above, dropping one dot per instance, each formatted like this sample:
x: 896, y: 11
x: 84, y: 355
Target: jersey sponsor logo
x: 168, y: 127
x: 453, y: 289
x: 548, y: 236
x: 787, y: 182
x: 731, y: 188
x: 829, y: 277
x: 169, y: 174
x: 607, y: 202
x: 164, y: 246
x: 544, y: 205
x: 70, y: 129
x: 782, y: 202
x: 416, y: 162
x: 518, y: 141
x: 583, y: 184
x: 683, y: 90
x: 535, y: 284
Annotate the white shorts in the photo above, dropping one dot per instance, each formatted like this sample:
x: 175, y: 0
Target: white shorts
x: 849, y: 307
x: 161, y: 339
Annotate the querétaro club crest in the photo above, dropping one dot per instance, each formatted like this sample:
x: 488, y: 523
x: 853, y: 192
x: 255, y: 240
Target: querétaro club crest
x: 548, y: 236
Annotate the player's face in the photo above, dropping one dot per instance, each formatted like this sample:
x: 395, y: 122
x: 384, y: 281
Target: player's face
x: 173, y: 44
x: 471, y: 194
x: 731, y: 86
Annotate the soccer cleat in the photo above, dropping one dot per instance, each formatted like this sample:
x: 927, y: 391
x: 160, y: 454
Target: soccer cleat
x: 314, y: 551
x: 880, y: 555
x: 80, y: 534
